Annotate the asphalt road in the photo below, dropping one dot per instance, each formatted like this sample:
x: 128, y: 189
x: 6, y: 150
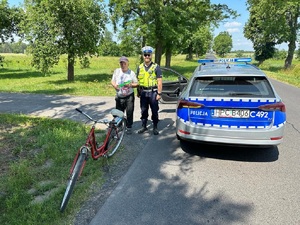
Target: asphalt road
x: 173, y: 183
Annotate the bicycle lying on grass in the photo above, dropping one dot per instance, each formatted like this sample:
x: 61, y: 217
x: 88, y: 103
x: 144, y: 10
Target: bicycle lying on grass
x: 114, y: 136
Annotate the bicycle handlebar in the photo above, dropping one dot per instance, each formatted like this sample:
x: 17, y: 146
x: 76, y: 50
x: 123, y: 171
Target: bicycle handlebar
x: 78, y: 110
x: 105, y: 121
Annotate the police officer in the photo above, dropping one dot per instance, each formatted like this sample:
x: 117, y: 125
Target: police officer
x: 150, y: 87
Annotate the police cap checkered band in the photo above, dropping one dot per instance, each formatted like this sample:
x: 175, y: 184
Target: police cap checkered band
x: 147, y: 49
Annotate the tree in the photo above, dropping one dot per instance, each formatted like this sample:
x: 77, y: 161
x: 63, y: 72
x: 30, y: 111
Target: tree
x: 239, y: 54
x: 10, y: 18
x: 6, y: 48
x: 274, y: 21
x: 222, y: 43
x: 201, y: 40
x: 59, y: 27
x: 129, y: 38
x: 16, y: 47
x: 263, y: 44
x: 264, y: 51
x: 166, y: 25
x: 107, y: 46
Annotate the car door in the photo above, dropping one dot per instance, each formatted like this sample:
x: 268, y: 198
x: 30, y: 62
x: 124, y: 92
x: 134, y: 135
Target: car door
x: 173, y: 84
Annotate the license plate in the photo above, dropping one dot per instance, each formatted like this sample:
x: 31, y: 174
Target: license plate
x: 231, y: 113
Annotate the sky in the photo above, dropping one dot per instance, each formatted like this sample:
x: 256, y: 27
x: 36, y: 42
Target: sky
x: 234, y: 27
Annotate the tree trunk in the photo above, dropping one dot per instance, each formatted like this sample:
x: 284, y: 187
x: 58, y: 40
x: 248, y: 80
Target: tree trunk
x: 158, y: 52
x: 293, y: 24
x: 70, y: 68
x: 168, y: 57
x: 190, y: 53
x: 290, y: 55
x: 260, y: 62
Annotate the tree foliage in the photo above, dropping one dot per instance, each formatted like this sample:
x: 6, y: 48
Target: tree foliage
x: 264, y: 51
x: 129, y: 38
x: 167, y: 25
x: 280, y: 54
x: 201, y: 40
x: 222, y: 43
x: 107, y: 46
x: 9, y: 20
x: 274, y: 22
x: 59, y: 27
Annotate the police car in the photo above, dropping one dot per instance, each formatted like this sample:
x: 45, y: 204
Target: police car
x: 228, y: 101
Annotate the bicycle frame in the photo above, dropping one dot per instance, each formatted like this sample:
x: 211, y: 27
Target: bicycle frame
x: 91, y: 145
x: 113, y: 138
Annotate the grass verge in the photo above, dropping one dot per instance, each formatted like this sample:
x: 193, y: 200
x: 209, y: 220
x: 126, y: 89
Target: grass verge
x: 36, y: 155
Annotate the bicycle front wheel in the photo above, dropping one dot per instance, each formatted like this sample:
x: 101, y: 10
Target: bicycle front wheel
x: 72, y: 180
x: 116, y: 135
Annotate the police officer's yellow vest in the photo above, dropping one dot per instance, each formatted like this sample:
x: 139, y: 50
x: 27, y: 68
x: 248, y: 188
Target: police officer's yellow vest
x: 147, y: 78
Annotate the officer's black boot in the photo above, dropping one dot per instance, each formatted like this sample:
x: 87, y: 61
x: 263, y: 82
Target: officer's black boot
x: 155, y: 131
x: 144, y: 127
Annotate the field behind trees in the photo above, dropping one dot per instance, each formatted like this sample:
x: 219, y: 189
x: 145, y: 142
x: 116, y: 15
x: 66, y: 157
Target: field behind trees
x: 17, y: 74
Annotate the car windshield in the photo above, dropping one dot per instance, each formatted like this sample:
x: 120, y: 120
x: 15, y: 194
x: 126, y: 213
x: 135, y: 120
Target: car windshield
x: 230, y: 86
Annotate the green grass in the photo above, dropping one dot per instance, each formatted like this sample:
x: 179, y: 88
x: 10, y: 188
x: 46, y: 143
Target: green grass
x: 36, y: 155
x: 18, y: 76
x: 274, y: 68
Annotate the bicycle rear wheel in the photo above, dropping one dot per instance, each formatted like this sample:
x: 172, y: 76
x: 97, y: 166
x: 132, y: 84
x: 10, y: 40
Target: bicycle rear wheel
x: 72, y: 180
x: 116, y: 135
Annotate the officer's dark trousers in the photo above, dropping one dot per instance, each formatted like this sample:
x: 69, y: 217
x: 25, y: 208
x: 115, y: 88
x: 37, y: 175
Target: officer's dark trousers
x: 149, y: 99
x: 127, y: 104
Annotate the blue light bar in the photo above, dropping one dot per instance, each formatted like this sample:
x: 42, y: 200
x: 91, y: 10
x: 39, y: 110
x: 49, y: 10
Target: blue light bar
x: 224, y: 60
x: 205, y: 60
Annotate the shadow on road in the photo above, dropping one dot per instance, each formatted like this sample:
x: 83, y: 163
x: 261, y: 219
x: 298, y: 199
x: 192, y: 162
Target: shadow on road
x: 248, y: 154
x: 163, y: 189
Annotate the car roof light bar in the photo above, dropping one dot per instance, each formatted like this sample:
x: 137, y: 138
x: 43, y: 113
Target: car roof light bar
x: 224, y: 60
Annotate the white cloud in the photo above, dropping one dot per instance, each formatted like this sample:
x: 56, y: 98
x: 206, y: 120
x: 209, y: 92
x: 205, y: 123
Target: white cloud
x: 233, y: 30
x: 242, y: 44
x: 232, y: 24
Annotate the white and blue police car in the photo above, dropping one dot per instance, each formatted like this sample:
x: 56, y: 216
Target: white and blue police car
x: 229, y: 101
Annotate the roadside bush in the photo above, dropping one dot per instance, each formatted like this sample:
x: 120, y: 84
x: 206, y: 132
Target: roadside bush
x: 280, y: 54
x: 239, y: 54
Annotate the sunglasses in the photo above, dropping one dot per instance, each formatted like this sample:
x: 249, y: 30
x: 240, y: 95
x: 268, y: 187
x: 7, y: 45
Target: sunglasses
x: 147, y: 55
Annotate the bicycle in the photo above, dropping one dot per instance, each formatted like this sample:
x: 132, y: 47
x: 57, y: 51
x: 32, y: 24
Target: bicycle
x: 114, y: 136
